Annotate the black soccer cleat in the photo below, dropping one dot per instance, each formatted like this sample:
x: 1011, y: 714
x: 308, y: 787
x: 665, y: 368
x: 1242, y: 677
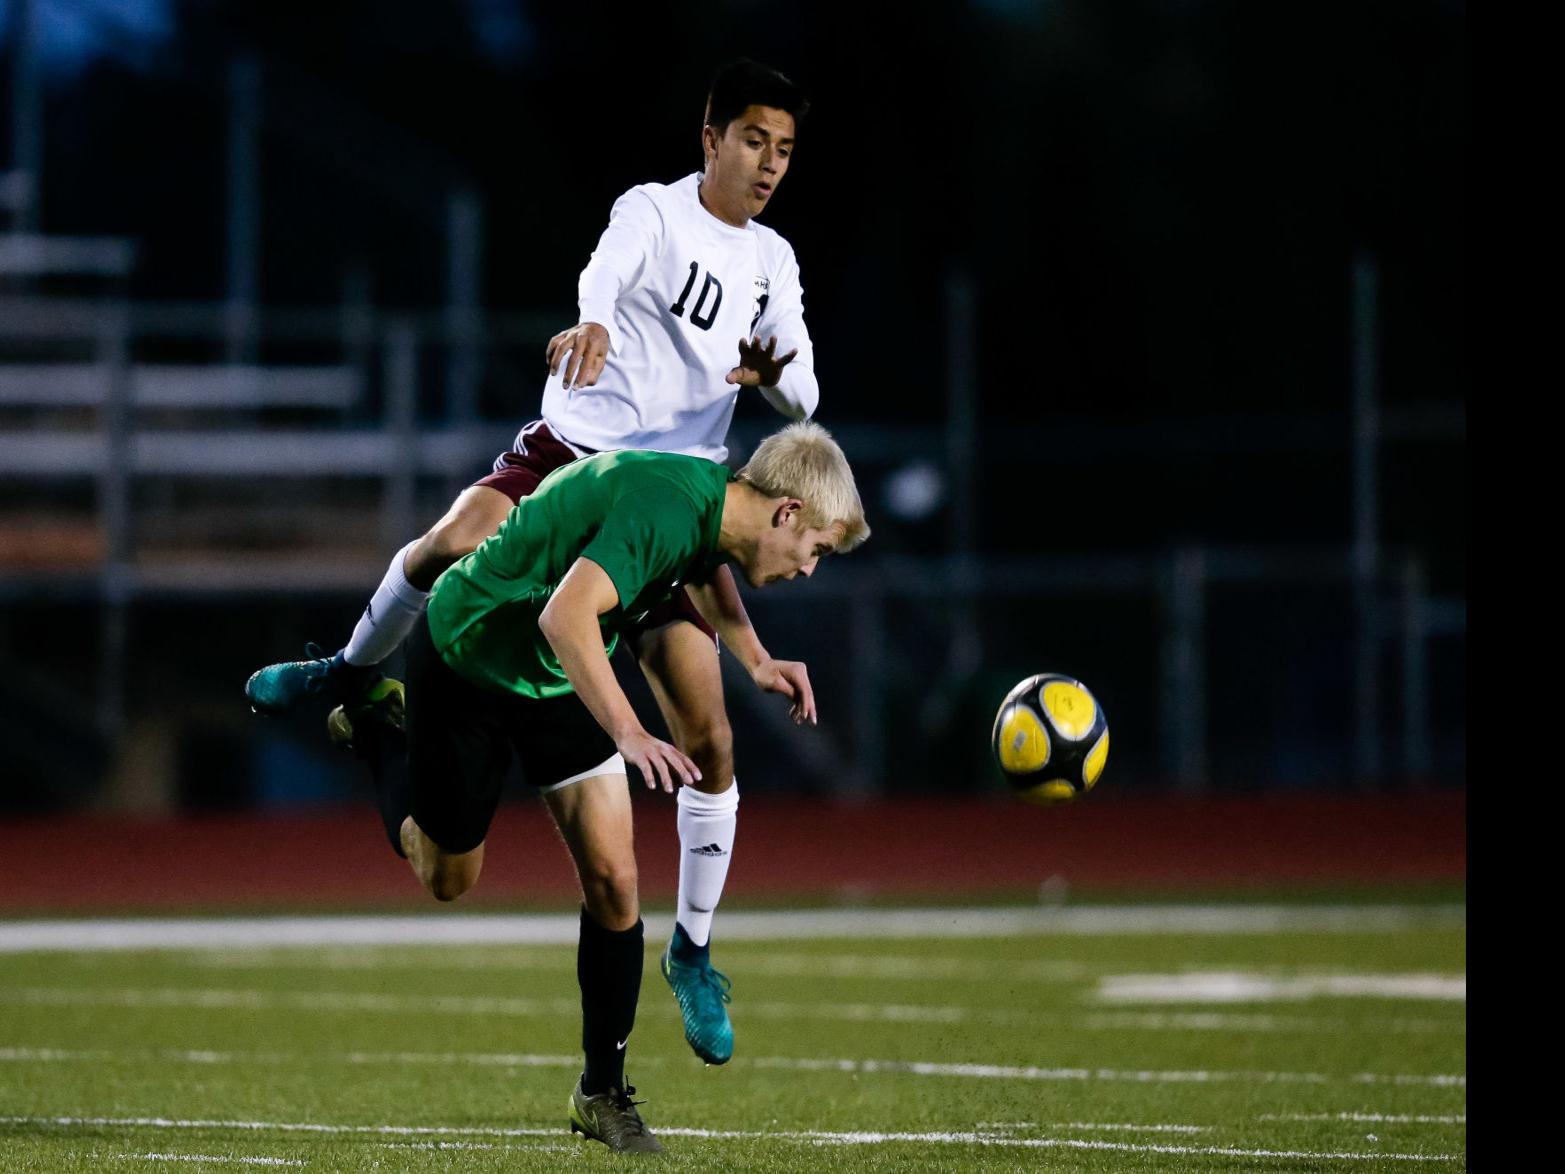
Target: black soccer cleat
x: 611, y: 1117
x: 384, y: 706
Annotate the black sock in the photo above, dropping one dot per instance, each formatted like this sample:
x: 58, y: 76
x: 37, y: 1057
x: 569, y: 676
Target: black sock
x: 608, y: 967
x: 686, y: 951
x: 386, y: 752
x: 350, y: 681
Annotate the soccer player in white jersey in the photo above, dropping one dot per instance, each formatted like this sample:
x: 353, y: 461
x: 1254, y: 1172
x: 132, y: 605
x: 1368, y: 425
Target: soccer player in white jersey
x: 680, y: 274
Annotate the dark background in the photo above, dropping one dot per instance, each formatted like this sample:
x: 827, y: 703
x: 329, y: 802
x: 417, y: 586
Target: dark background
x: 1158, y: 207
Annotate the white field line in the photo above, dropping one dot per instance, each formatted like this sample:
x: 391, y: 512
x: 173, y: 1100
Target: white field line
x: 338, y: 1001
x: 545, y: 1148
x: 1245, y: 987
x: 187, y: 1056
x: 909, y: 968
x: 773, y: 965
x: 813, y: 925
x: 1078, y: 1144
x: 784, y: 1063
x: 368, y: 1002
x: 1371, y: 1118
x: 1251, y: 1024
x: 208, y: 1158
x: 813, y: 1137
x: 324, y: 1001
x: 835, y: 966
x: 988, y: 1127
x: 286, y: 1127
x: 1017, y: 1072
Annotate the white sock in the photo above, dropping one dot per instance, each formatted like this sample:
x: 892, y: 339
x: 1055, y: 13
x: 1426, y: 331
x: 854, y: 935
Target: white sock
x: 390, y: 616
x: 706, y: 844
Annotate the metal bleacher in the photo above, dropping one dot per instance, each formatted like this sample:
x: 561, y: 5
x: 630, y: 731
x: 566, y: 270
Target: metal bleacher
x: 142, y: 463
x: 173, y: 452
x: 98, y: 426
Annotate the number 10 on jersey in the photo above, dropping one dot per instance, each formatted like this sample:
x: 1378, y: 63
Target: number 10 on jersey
x: 708, y: 286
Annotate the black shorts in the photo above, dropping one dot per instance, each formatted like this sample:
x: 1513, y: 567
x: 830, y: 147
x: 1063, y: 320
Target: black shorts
x: 460, y: 738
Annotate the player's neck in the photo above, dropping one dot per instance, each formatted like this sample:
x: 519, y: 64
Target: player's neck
x: 747, y: 512
x: 707, y: 193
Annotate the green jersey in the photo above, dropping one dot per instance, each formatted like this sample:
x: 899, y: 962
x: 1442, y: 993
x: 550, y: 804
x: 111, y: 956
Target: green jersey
x: 649, y: 519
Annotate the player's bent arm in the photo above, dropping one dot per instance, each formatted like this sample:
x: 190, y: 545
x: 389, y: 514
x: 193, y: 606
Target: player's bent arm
x: 634, y: 235
x: 797, y: 393
x: 569, y: 623
x: 618, y: 265
x: 719, y: 603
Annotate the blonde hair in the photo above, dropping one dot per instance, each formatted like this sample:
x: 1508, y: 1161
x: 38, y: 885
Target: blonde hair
x: 803, y: 461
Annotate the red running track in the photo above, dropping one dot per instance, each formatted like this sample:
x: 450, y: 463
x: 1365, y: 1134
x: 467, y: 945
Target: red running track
x: 787, y: 849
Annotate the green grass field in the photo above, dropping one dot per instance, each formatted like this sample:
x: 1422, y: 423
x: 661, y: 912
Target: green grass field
x: 1218, y: 1042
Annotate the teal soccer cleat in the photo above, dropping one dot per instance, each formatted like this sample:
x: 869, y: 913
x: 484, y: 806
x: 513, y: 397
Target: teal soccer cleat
x: 279, y: 687
x: 702, y: 994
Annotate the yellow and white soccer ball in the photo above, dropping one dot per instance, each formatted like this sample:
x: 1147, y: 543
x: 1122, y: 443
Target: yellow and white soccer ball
x: 1051, y: 739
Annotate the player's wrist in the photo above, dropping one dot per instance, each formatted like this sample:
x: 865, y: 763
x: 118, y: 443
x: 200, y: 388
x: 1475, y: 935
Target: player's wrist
x: 598, y: 315
x: 626, y: 730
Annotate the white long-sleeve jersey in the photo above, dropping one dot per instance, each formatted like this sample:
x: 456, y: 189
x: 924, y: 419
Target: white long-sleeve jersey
x: 677, y: 289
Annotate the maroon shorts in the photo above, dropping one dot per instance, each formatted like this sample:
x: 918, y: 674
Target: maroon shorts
x: 537, y: 453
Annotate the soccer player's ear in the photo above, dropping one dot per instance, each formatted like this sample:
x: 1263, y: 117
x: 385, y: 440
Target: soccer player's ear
x: 788, y: 509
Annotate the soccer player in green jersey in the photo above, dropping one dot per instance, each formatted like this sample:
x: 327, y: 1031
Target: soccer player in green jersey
x: 513, y: 657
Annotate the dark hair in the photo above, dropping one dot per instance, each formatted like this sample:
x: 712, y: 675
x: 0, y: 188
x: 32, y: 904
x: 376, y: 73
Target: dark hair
x: 745, y: 83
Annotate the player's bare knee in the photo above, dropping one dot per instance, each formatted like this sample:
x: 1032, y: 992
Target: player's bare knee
x: 447, y: 877
x: 616, y: 882
x: 711, y: 738
x: 711, y: 746
x: 428, y: 559
x: 447, y: 884
x: 445, y: 889
x: 610, y: 891
x: 453, y: 537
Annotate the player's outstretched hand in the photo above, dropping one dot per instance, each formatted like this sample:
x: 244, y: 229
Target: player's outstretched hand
x: 660, y: 764
x: 792, y: 680
x: 759, y: 366
x: 588, y: 347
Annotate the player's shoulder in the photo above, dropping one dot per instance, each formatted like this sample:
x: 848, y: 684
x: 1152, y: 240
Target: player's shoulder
x: 639, y: 469
x: 776, y: 252
x: 645, y: 462
x: 649, y: 204
x: 664, y: 196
